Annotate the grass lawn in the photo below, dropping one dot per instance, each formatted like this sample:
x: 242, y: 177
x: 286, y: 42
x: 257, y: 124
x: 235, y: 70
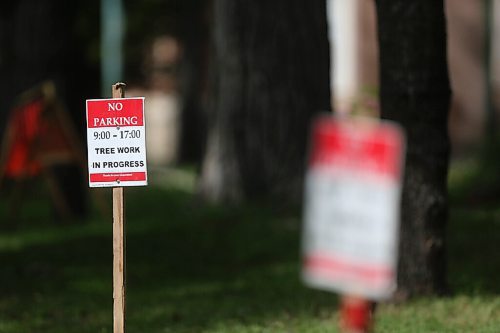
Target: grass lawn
x: 193, y: 268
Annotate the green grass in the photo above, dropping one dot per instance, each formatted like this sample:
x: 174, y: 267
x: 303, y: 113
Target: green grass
x: 193, y: 268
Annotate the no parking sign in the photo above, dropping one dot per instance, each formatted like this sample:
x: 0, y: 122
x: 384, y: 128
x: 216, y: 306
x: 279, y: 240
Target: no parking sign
x: 352, y: 197
x: 116, y: 142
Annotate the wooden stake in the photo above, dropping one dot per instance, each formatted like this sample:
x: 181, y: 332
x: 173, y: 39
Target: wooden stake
x: 118, y: 90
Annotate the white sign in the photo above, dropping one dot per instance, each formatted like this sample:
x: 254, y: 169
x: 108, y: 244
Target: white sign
x: 352, y: 197
x: 116, y: 142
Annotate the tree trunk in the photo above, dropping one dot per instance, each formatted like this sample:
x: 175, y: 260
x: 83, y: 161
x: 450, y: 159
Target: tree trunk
x: 415, y: 91
x: 269, y: 77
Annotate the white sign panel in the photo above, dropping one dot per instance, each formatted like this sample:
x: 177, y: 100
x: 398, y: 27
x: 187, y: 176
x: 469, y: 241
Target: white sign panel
x: 351, y: 217
x: 116, y: 142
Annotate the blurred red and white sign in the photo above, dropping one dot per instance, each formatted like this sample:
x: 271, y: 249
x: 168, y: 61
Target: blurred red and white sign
x: 116, y: 142
x: 352, y: 198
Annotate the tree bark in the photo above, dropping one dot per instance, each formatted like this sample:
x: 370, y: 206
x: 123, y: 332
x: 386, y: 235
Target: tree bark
x: 269, y: 77
x: 415, y: 91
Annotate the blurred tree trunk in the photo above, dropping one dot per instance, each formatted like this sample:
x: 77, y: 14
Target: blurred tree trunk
x: 415, y: 91
x: 269, y: 77
x: 194, y: 33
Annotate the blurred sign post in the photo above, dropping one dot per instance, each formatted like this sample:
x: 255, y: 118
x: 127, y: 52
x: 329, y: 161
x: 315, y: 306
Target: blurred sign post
x: 351, y: 223
x: 116, y: 158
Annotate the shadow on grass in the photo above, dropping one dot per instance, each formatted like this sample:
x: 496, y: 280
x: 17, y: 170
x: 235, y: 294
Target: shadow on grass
x: 474, y: 264
x: 193, y: 268
x: 474, y: 225
x: 189, y: 269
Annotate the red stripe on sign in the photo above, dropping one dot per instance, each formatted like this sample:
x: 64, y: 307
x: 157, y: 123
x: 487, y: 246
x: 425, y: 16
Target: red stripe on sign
x: 337, y: 268
x: 114, y: 176
x: 352, y: 145
x: 117, y: 112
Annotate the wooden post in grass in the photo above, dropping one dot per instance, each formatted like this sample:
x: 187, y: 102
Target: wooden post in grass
x: 116, y: 147
x: 118, y: 91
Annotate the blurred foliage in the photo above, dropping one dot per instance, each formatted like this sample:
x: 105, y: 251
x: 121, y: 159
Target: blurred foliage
x: 366, y: 102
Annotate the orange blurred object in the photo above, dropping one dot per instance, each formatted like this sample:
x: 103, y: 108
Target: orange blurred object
x: 32, y: 135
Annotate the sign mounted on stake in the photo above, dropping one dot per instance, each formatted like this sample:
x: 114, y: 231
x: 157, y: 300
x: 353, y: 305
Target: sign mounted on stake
x: 116, y: 142
x: 353, y: 187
